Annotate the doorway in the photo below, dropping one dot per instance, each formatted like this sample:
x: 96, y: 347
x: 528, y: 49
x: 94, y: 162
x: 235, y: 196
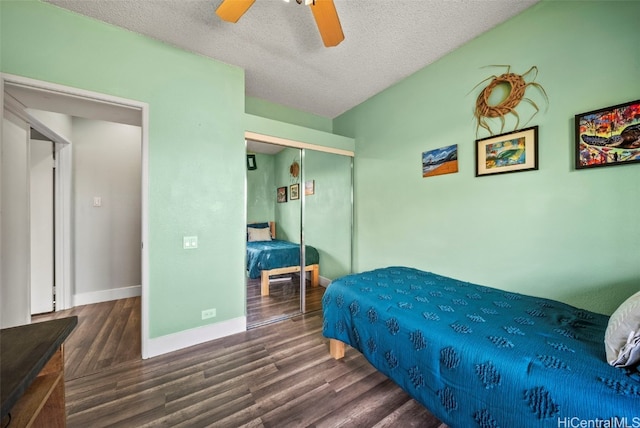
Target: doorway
x: 25, y: 95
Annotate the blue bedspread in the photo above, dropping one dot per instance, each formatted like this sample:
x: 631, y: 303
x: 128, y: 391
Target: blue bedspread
x: 267, y: 255
x: 481, y: 357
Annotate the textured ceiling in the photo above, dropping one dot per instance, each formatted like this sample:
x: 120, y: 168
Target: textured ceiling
x: 285, y: 62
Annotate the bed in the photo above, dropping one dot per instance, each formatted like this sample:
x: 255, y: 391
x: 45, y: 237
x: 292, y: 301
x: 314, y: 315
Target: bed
x: 268, y: 256
x: 481, y: 357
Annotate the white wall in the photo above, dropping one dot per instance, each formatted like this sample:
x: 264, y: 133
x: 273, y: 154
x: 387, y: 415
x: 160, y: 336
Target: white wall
x: 58, y: 122
x: 106, y: 164
x: 14, y: 219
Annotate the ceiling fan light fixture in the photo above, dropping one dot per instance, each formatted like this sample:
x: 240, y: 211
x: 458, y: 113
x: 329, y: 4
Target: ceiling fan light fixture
x: 326, y: 16
x: 231, y: 11
x: 324, y: 13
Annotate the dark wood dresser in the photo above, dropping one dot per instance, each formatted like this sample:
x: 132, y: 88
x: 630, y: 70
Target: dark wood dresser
x: 32, y: 373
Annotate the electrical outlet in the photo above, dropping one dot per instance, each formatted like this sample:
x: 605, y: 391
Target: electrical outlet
x: 189, y: 242
x: 208, y: 313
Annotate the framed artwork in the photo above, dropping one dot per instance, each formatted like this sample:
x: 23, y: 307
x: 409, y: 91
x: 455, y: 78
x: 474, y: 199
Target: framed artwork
x: 440, y: 161
x: 294, y: 191
x: 309, y: 187
x: 511, y: 152
x: 608, y: 136
x: 282, y: 194
x: 251, y: 162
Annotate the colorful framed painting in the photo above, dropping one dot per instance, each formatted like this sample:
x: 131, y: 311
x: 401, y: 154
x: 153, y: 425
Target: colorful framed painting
x: 511, y: 152
x: 251, y: 162
x: 440, y: 161
x: 294, y: 191
x: 309, y: 187
x: 282, y: 194
x: 608, y: 136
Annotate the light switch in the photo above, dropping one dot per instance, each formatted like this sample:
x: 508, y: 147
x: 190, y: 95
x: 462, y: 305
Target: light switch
x: 97, y: 201
x: 189, y: 242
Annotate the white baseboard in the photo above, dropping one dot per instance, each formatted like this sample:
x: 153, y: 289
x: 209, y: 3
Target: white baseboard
x: 184, y: 339
x: 324, y: 281
x: 106, y: 295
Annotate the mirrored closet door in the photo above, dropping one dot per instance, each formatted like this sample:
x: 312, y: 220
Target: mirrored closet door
x: 299, y: 215
x: 326, y: 191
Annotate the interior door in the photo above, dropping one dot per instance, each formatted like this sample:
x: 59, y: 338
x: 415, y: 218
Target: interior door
x: 269, y: 199
x: 326, y: 190
x: 42, y: 220
x: 14, y: 301
x: 308, y: 193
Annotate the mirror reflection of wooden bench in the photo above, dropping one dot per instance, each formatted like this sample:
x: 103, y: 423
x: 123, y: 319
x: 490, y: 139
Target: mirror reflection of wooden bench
x: 265, y: 274
x: 32, y: 373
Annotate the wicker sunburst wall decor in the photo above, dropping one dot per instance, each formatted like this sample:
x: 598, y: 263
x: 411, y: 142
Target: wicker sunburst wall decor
x: 294, y: 170
x: 517, y: 85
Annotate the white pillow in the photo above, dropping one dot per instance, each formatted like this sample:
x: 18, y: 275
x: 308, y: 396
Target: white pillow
x: 259, y: 234
x: 625, y: 319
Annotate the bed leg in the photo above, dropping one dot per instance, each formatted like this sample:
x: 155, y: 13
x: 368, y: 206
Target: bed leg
x: 315, y: 275
x: 336, y: 348
x: 264, y: 283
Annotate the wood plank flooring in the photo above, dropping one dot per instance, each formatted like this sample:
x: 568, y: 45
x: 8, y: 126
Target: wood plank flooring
x: 279, y: 375
x: 107, y: 334
x: 282, y: 302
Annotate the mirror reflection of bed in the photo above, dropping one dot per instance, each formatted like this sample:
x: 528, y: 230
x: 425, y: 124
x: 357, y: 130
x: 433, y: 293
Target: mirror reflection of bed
x: 273, y: 269
x: 308, y: 204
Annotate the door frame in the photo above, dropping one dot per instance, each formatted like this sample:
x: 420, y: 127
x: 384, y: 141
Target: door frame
x: 63, y: 208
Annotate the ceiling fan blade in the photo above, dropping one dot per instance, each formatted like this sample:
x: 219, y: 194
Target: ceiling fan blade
x: 232, y: 10
x: 326, y: 16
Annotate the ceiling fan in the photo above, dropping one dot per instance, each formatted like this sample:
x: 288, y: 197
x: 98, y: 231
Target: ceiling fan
x: 324, y: 13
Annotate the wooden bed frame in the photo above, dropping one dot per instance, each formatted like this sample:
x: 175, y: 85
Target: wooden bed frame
x: 266, y: 274
x: 337, y: 348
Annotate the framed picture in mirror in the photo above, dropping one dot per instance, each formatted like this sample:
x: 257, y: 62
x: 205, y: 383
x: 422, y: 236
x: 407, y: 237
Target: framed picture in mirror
x: 294, y: 191
x: 282, y: 194
x: 251, y: 162
x: 309, y: 187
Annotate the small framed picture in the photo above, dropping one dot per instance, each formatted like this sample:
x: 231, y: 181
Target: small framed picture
x: 511, y: 152
x: 294, y: 191
x: 309, y: 187
x: 251, y: 162
x: 608, y: 136
x: 282, y: 194
x: 440, y: 161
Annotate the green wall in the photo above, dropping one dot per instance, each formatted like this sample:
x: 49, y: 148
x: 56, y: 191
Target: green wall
x: 266, y: 109
x: 297, y: 133
x: 327, y: 213
x: 556, y: 232
x: 196, y: 151
x: 262, y: 183
x: 288, y: 214
x: 260, y: 190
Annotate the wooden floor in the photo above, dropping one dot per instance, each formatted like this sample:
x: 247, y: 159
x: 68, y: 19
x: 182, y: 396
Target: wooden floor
x: 107, y: 335
x: 279, y: 375
x: 282, y: 302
